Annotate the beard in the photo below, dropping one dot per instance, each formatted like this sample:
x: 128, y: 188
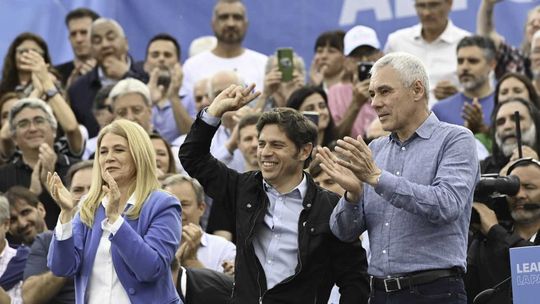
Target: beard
x: 230, y: 36
x: 528, y: 138
x: 474, y: 83
x: 524, y: 217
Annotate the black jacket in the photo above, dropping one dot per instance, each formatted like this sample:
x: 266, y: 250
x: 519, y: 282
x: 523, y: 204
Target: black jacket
x: 321, y: 254
x: 488, y: 262
x: 82, y: 92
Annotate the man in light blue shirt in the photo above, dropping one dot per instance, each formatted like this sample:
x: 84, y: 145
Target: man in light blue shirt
x: 412, y: 190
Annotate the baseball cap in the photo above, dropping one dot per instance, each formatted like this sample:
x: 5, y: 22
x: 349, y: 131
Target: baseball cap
x: 358, y: 36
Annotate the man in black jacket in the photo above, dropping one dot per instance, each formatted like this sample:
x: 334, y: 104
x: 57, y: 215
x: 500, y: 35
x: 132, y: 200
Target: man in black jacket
x: 110, y: 49
x: 284, y: 244
x: 488, y: 259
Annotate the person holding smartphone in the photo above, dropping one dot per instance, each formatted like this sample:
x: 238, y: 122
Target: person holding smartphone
x: 349, y: 100
x: 278, y: 86
x: 162, y: 63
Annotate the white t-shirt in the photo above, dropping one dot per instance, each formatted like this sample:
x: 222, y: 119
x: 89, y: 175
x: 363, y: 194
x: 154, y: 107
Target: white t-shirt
x: 250, y: 67
x: 438, y: 56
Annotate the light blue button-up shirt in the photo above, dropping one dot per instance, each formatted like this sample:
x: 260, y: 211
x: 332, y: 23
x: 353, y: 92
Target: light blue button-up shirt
x: 418, y: 214
x: 276, y: 239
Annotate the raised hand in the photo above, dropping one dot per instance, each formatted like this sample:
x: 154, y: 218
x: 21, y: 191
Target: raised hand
x: 474, y: 117
x: 113, y: 195
x: 341, y: 175
x: 191, y: 238
x: 272, y: 81
x: 157, y: 92
x: 231, y: 99
x: 48, y: 158
x: 177, y: 76
x: 356, y: 156
x: 35, y: 179
x: 59, y: 192
x: 228, y: 267
x: 488, y: 218
x: 115, y: 67
x: 361, y: 92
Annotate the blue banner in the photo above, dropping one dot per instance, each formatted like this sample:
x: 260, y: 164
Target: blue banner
x: 272, y: 23
x: 525, y: 264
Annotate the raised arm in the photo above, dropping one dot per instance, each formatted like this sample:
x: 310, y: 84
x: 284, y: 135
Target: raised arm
x: 484, y: 21
x: 43, y: 86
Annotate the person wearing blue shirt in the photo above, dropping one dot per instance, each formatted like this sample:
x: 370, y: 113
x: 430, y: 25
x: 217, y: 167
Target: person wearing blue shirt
x: 411, y: 190
x: 473, y: 106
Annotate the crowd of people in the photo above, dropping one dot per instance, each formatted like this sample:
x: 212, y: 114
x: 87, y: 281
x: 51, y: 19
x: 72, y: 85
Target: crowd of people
x: 241, y: 177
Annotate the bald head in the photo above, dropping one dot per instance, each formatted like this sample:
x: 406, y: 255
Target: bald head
x: 108, y: 39
x: 222, y: 80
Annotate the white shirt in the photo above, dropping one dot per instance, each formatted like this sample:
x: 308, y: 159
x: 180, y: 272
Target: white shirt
x: 7, y: 254
x: 103, y: 285
x: 215, y: 250
x: 439, y: 56
x: 218, y: 149
x: 250, y: 67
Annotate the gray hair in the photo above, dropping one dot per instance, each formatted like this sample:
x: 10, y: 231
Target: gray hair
x: 115, y: 23
x: 179, y: 178
x: 298, y: 63
x: 4, y: 209
x: 226, y: 73
x: 32, y: 103
x: 483, y: 43
x: 409, y: 68
x: 129, y: 86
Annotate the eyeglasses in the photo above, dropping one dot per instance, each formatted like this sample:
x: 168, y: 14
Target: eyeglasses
x: 24, y: 124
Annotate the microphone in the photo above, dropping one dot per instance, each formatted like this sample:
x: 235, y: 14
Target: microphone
x: 487, y: 294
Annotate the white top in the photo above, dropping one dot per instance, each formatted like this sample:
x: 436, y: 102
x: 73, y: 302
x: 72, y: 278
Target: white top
x: 103, y: 285
x: 250, y: 67
x: 7, y: 254
x: 439, y: 56
x: 218, y: 149
x: 215, y: 250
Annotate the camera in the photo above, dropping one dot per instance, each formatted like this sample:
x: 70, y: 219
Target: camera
x: 492, y: 190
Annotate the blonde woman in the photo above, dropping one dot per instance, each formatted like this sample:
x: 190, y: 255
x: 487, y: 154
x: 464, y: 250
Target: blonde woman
x: 120, y: 244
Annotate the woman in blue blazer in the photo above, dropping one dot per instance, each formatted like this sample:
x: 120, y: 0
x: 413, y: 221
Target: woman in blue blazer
x: 120, y: 244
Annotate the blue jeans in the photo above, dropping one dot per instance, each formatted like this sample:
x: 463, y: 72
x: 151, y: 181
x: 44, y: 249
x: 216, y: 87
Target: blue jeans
x: 449, y: 290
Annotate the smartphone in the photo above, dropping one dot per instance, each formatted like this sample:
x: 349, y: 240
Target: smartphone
x: 313, y: 116
x: 364, y: 69
x: 285, y: 63
x: 164, y: 78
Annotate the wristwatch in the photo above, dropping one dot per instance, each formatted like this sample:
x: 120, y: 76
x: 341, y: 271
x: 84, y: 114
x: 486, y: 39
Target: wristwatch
x: 50, y: 93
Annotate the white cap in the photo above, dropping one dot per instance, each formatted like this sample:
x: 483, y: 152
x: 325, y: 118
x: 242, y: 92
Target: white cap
x: 358, y: 36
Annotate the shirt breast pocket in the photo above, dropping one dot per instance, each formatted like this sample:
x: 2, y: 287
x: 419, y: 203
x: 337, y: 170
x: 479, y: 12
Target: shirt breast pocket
x: 319, y: 236
x: 245, y: 218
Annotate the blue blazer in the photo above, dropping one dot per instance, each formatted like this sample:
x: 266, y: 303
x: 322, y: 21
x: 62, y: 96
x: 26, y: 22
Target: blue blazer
x: 142, y: 251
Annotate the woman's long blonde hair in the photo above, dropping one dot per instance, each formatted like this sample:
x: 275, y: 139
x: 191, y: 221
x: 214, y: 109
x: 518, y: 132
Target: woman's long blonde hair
x: 143, y: 155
